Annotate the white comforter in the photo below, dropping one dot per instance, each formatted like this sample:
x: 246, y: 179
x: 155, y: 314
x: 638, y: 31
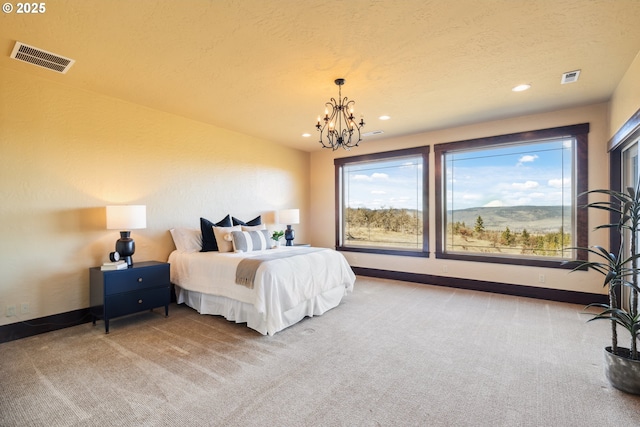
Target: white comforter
x: 280, y: 284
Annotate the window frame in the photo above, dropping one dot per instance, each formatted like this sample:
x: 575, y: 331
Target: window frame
x: 581, y: 175
x: 340, y: 163
x: 628, y: 133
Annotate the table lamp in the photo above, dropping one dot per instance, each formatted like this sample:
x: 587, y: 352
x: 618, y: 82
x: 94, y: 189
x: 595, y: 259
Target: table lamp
x: 125, y: 219
x: 288, y: 217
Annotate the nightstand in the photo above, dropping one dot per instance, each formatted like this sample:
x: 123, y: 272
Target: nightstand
x: 302, y: 244
x: 144, y: 286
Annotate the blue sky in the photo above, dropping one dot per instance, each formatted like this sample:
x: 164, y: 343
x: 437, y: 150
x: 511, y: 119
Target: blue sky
x: 385, y: 184
x: 538, y: 174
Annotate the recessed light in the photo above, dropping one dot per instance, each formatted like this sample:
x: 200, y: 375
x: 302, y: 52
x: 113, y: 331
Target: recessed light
x: 306, y: 135
x: 521, y: 88
x: 373, y: 132
x: 384, y: 117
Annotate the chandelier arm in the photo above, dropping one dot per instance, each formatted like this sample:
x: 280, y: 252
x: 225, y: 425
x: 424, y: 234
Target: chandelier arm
x: 328, y: 119
x: 355, y: 144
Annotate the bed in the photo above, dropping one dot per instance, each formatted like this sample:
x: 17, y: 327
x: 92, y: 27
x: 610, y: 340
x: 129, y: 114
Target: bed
x: 289, y: 284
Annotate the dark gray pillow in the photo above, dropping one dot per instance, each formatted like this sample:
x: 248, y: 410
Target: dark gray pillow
x: 209, y: 243
x: 255, y: 221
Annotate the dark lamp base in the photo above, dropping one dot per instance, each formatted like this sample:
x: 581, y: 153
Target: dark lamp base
x: 289, y: 235
x: 126, y: 247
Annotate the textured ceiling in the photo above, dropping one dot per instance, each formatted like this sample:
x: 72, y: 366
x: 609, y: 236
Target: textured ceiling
x: 266, y: 67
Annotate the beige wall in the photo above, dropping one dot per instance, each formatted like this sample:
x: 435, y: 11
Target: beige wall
x: 626, y: 98
x: 322, y: 203
x: 66, y: 153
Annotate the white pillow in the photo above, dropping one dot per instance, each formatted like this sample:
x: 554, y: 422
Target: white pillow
x: 220, y: 233
x: 254, y: 227
x: 247, y: 241
x: 187, y: 239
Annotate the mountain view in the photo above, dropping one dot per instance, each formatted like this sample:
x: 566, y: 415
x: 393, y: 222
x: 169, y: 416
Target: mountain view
x: 535, y: 219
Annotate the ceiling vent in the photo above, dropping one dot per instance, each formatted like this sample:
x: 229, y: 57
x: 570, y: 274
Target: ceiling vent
x: 41, y: 58
x: 570, y: 77
x: 373, y: 132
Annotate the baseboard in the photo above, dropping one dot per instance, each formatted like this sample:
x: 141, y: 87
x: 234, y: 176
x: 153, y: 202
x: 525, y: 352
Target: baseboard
x: 27, y: 328
x: 559, y: 295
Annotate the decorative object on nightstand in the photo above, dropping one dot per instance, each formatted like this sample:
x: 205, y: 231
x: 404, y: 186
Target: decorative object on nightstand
x: 114, y: 293
x: 114, y: 265
x: 288, y: 217
x: 276, y: 236
x: 127, y: 218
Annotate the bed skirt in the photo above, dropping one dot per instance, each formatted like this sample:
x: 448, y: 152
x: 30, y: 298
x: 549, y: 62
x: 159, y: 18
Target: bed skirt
x: 240, y: 312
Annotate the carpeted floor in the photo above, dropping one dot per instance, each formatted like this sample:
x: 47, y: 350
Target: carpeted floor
x: 392, y: 354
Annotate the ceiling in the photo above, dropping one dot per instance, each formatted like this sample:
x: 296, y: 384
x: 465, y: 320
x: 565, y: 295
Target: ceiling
x: 266, y: 67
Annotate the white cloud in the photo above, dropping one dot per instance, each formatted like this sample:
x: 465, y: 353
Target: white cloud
x: 558, y: 183
x: 402, y: 200
x: 378, y: 175
x: 494, y: 204
x: 378, y: 192
x: 528, y: 185
x: 527, y: 158
x: 369, y: 178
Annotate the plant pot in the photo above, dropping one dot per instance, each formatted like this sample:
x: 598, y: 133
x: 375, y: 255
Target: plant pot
x: 622, y: 372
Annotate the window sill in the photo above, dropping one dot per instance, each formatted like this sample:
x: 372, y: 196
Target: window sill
x: 529, y: 262
x: 381, y: 251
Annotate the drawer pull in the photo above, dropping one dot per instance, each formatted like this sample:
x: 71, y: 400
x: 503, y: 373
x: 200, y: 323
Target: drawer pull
x: 139, y: 279
x: 139, y: 301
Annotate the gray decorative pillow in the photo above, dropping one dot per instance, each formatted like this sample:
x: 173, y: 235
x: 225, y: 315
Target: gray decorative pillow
x: 253, y: 227
x: 247, y: 241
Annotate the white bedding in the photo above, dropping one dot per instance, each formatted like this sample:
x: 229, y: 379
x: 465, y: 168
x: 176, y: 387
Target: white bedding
x: 285, y: 290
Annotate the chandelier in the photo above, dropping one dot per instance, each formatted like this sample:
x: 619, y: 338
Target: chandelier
x: 339, y: 127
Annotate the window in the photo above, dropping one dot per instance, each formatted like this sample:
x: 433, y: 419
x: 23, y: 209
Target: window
x: 630, y: 168
x: 513, y: 198
x: 624, y: 171
x: 381, y: 200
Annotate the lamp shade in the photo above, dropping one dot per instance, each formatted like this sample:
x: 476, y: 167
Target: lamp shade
x: 129, y: 217
x: 289, y: 216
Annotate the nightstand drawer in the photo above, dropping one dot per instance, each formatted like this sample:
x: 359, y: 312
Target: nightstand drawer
x: 131, y: 302
x: 134, y: 279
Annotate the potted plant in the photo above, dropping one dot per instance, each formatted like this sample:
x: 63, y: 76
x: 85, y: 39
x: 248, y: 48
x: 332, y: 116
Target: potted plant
x: 276, y: 236
x: 619, y: 267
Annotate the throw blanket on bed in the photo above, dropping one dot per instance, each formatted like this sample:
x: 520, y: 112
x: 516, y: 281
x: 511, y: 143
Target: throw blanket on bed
x: 247, y: 268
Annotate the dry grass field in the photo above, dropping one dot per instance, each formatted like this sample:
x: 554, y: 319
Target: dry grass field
x: 520, y: 230
x: 378, y: 237
x: 458, y: 243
